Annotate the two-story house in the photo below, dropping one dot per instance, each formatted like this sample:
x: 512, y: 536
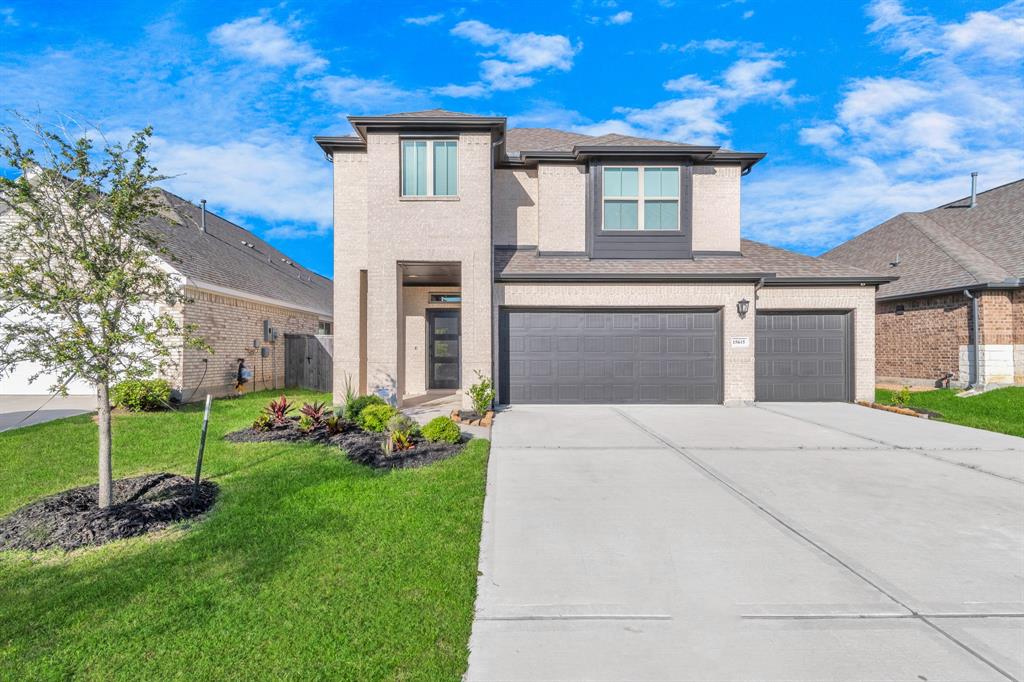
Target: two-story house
x: 575, y: 269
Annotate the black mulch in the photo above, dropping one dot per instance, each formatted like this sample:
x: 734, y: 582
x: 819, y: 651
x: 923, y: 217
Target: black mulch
x: 362, y: 447
x: 72, y: 519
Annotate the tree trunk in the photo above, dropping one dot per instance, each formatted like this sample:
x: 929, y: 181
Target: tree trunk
x: 106, y: 474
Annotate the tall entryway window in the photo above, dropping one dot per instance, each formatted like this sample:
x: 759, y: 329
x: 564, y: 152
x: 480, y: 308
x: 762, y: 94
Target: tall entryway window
x: 443, y: 350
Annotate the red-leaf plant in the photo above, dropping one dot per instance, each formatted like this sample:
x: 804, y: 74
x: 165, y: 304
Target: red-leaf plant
x: 317, y: 412
x: 278, y: 410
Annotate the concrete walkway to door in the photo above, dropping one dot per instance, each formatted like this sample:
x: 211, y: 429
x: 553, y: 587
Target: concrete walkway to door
x: 779, y: 542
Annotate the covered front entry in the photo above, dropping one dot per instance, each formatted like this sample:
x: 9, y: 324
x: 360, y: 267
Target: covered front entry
x: 587, y: 355
x: 803, y: 356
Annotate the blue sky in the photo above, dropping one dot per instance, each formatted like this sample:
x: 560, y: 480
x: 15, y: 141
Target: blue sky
x: 864, y: 109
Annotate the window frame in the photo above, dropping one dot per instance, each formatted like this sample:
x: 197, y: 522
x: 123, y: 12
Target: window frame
x: 641, y: 198
x: 431, y: 141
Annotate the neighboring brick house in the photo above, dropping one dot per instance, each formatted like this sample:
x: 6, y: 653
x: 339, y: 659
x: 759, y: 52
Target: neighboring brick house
x: 949, y: 260
x: 575, y: 269
x: 235, y: 284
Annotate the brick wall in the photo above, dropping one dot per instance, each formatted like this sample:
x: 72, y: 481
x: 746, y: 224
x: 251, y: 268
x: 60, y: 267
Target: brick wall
x: 230, y: 325
x: 923, y: 342
x: 932, y: 337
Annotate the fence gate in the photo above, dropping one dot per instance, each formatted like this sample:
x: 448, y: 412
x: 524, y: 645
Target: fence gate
x: 308, y: 362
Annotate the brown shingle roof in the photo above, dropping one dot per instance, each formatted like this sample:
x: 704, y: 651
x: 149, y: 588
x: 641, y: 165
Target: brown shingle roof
x: 757, y: 259
x: 218, y: 257
x: 948, y: 247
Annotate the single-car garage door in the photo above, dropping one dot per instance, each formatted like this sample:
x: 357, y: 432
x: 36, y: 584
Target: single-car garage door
x: 803, y: 356
x: 610, y: 356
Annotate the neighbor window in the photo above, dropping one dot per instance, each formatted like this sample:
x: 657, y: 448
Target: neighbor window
x: 430, y: 168
x: 641, y: 198
x: 323, y: 328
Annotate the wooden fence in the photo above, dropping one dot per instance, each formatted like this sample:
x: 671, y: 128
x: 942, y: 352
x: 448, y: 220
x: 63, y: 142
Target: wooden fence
x: 308, y: 362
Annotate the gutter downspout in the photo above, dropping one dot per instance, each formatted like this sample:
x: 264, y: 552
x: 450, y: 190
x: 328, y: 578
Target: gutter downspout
x: 975, y: 363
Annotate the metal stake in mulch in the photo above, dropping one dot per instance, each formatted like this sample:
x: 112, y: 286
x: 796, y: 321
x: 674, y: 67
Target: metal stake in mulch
x: 202, y: 446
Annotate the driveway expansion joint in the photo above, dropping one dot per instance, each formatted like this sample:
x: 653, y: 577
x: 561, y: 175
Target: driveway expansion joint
x: 924, y: 452
x: 777, y: 518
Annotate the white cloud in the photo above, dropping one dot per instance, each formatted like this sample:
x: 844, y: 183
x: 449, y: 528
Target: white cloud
x: 513, y: 58
x: 744, y: 48
x: 825, y: 135
x: 425, y: 21
x: 620, y: 18
x: 7, y: 14
x: 699, y: 115
x: 271, y: 177
x: 452, y: 90
x: 353, y: 92
x: 263, y: 40
x: 748, y: 14
x: 907, y: 142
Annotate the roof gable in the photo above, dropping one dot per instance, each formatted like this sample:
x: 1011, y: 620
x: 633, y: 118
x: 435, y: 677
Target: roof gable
x: 948, y: 247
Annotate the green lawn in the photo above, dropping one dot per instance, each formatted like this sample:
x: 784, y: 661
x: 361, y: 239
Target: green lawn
x: 308, y: 567
x: 1001, y: 410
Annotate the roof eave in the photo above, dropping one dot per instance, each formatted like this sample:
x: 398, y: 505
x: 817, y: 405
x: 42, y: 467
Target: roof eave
x: 829, y: 279
x: 634, y: 150
x: 745, y: 159
x: 562, y: 277
x: 990, y: 286
x: 331, y: 144
x: 361, y: 124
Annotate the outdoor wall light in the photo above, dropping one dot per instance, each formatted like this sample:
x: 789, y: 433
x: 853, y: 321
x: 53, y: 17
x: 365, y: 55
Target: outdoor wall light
x: 743, y: 307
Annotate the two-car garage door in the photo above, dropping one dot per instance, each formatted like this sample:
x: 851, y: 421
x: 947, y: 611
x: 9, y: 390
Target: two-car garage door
x: 597, y: 356
x: 610, y: 356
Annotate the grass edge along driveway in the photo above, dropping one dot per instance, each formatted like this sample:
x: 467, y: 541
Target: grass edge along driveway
x: 1000, y: 410
x: 309, y: 566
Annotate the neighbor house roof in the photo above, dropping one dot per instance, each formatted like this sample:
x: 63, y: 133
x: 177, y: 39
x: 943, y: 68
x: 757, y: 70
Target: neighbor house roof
x: 231, y: 257
x: 946, y: 248
x: 756, y: 261
x: 527, y: 145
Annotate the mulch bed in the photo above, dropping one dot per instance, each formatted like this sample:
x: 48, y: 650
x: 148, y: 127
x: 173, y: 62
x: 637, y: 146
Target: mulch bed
x: 72, y: 519
x: 362, y: 447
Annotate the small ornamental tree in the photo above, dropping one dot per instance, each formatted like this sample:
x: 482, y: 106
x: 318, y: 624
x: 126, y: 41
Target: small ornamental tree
x: 84, y: 288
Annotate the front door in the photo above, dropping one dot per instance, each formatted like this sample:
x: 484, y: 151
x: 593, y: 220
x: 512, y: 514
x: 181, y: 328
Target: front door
x: 443, y: 327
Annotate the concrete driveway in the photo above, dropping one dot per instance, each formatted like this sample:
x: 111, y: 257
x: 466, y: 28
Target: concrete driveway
x: 21, y: 410
x: 779, y: 542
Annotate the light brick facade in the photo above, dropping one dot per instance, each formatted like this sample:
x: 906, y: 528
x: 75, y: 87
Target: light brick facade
x: 921, y: 340
x: 233, y: 328
x: 716, y: 208
x: 380, y: 329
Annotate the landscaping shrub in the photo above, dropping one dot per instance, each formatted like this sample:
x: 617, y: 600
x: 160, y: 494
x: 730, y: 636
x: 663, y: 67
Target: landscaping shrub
x: 316, y: 412
x: 375, y: 417
x: 278, y: 410
x: 902, y: 398
x: 262, y: 423
x: 442, y: 430
x: 306, y: 423
x: 401, y: 430
x: 141, y: 395
x: 354, y: 407
x: 482, y: 394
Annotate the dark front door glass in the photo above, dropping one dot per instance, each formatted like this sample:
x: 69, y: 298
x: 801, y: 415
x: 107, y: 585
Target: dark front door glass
x: 443, y: 348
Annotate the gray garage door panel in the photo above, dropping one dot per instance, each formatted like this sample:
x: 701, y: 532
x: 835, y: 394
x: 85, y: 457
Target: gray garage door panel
x: 803, y: 357
x: 610, y: 356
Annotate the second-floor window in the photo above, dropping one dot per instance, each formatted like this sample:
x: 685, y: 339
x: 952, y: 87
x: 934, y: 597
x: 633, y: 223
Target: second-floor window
x: 641, y: 198
x: 430, y: 168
